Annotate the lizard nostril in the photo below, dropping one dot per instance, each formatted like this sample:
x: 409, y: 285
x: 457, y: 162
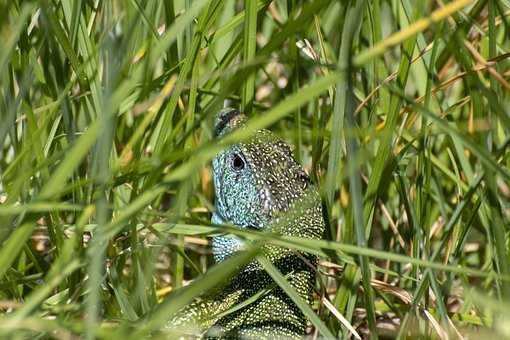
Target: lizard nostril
x: 227, y: 120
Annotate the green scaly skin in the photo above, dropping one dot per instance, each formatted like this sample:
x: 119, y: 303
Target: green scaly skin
x: 259, y: 185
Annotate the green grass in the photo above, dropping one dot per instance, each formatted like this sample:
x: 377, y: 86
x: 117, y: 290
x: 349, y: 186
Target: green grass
x: 398, y: 109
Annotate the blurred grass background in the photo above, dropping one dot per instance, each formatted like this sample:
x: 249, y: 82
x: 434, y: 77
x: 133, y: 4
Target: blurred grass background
x: 398, y: 109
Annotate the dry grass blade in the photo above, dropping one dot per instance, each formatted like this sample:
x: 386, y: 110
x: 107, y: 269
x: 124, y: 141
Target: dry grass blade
x: 415, y: 28
x: 340, y: 317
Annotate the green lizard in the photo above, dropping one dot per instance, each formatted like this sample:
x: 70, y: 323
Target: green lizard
x: 258, y: 185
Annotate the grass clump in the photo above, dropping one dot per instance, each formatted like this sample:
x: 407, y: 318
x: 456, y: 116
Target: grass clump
x: 397, y: 109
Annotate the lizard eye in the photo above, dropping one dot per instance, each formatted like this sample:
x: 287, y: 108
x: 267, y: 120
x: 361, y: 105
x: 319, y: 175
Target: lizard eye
x: 237, y: 163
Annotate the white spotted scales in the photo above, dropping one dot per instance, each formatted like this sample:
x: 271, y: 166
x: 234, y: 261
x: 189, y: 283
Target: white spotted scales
x: 258, y: 185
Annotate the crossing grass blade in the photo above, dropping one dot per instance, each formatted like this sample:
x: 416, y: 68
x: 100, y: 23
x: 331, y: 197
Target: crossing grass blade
x: 215, y: 276
x: 250, y: 45
x: 291, y: 292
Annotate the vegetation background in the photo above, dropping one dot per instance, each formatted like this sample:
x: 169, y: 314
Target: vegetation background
x: 398, y: 109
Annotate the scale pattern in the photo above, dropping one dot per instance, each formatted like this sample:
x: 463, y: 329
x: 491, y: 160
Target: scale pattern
x: 258, y: 185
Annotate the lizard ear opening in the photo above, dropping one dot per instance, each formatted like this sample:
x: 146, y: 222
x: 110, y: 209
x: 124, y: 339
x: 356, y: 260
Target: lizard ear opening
x: 227, y: 120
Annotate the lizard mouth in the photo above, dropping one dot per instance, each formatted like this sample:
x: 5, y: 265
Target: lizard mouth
x: 218, y: 218
x: 251, y: 227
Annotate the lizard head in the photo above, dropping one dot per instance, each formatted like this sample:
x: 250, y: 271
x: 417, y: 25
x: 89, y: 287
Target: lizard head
x: 255, y: 182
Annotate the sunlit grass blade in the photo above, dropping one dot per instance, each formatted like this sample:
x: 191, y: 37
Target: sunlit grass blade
x: 291, y: 292
x: 172, y: 304
x: 418, y: 26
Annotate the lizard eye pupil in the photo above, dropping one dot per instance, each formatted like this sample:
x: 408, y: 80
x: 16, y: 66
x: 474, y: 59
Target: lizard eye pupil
x: 237, y: 163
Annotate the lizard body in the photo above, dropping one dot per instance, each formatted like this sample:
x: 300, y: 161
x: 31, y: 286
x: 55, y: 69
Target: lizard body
x: 258, y: 185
